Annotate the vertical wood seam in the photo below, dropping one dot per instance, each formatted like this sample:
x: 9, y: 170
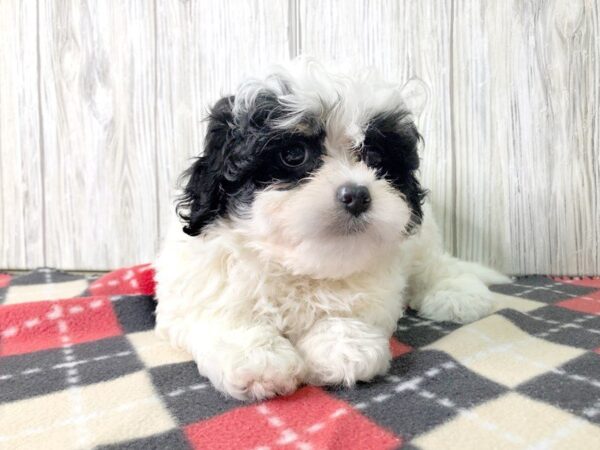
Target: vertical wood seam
x: 454, y: 196
x: 41, y: 134
x: 156, y: 178
x: 294, y: 38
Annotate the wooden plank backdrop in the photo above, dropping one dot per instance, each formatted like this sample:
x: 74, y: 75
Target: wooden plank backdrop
x: 101, y: 107
x: 21, y: 178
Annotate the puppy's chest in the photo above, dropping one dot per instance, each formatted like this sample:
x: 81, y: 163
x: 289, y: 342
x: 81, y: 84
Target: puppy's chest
x: 294, y: 305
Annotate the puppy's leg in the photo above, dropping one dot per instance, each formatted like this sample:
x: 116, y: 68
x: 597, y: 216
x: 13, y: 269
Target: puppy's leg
x: 248, y: 363
x: 442, y: 287
x: 344, y: 351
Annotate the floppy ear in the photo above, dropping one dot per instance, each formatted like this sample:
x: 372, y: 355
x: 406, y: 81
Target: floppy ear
x: 203, y: 197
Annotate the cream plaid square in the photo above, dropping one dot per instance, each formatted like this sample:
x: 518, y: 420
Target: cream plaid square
x: 41, y: 292
x: 86, y: 416
x: 496, y: 349
x: 502, y: 301
x: 513, y: 422
x: 154, y: 351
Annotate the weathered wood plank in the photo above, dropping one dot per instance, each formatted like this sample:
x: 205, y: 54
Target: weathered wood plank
x: 511, y: 121
x: 21, y: 196
x: 203, y: 50
x: 525, y: 100
x: 405, y: 41
x: 98, y: 100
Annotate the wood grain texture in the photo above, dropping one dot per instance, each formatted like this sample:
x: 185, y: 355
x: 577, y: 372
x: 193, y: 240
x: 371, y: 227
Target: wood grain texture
x: 525, y: 120
x: 408, y: 42
x: 98, y: 100
x: 21, y: 196
x: 101, y: 108
x: 203, y: 50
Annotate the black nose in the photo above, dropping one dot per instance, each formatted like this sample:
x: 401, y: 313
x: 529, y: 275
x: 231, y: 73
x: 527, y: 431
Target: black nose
x: 356, y: 199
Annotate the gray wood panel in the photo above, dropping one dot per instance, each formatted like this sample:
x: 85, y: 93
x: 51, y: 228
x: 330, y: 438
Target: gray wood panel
x: 21, y: 195
x: 510, y: 120
x: 407, y: 41
x: 101, y: 108
x: 525, y: 120
x: 204, y: 50
x: 97, y: 77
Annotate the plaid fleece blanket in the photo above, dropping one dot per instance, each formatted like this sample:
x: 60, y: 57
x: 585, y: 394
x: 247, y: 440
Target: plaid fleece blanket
x: 81, y: 368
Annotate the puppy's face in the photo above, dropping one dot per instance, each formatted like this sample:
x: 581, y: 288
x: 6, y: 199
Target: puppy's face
x: 315, y: 170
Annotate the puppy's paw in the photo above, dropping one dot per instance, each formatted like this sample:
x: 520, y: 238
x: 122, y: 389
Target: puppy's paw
x: 262, y: 372
x: 344, y: 351
x: 461, y: 299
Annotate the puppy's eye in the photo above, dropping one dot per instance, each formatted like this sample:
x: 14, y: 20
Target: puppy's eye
x: 294, y: 156
x: 373, y: 158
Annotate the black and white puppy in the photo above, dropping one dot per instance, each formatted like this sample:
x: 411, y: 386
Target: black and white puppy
x: 304, y: 236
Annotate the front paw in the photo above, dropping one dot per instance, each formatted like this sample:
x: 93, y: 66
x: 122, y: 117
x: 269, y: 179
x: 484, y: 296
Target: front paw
x: 261, y: 372
x: 344, y: 351
x: 461, y: 299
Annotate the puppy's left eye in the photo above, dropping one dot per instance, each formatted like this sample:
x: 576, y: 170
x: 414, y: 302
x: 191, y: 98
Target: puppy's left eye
x: 294, y: 156
x: 373, y: 158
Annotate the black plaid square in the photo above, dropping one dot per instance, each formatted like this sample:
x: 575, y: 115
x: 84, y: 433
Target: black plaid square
x: 542, y: 289
x: 135, y: 312
x: 559, y: 325
x: 415, y: 396
x: 189, y: 396
x: 40, y: 373
x: 174, y: 439
x: 574, y: 386
x: 45, y: 275
x: 418, y: 332
x: 409, y: 446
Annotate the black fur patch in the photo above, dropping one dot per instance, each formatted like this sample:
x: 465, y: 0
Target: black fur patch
x: 391, y: 147
x: 239, y: 159
x: 243, y: 155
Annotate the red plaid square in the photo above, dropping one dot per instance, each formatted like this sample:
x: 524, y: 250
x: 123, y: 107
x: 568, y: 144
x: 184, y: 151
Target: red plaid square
x: 31, y: 327
x: 587, y: 282
x: 589, y: 304
x: 398, y: 348
x: 4, y: 279
x: 308, y: 419
x: 137, y: 280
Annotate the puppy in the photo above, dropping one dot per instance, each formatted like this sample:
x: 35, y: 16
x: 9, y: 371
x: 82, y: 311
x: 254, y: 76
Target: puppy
x: 303, y: 235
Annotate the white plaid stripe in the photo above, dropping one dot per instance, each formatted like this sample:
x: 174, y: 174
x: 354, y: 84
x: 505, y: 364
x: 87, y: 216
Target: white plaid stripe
x: 73, y: 378
x: 550, y: 288
x: 49, y: 316
x: 576, y: 323
x: 593, y: 410
x: 79, y: 362
x: 180, y: 391
x: 562, y: 432
x: 419, y: 322
x: 412, y: 385
x: 288, y: 435
x: 128, y: 277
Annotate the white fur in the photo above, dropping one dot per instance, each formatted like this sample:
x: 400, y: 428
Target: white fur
x: 257, y: 330
x: 285, y: 294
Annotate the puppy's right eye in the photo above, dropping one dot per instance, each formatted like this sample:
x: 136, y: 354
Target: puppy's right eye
x: 373, y: 158
x: 294, y: 156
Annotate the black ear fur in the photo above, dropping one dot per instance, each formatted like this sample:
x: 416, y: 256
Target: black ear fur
x: 203, y: 197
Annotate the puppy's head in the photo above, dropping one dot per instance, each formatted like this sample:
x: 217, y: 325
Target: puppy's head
x: 316, y: 170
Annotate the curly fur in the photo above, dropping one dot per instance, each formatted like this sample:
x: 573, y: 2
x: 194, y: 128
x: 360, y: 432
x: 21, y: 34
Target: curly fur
x: 271, y: 283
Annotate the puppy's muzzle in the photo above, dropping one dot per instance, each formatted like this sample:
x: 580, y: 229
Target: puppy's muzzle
x: 354, y: 198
